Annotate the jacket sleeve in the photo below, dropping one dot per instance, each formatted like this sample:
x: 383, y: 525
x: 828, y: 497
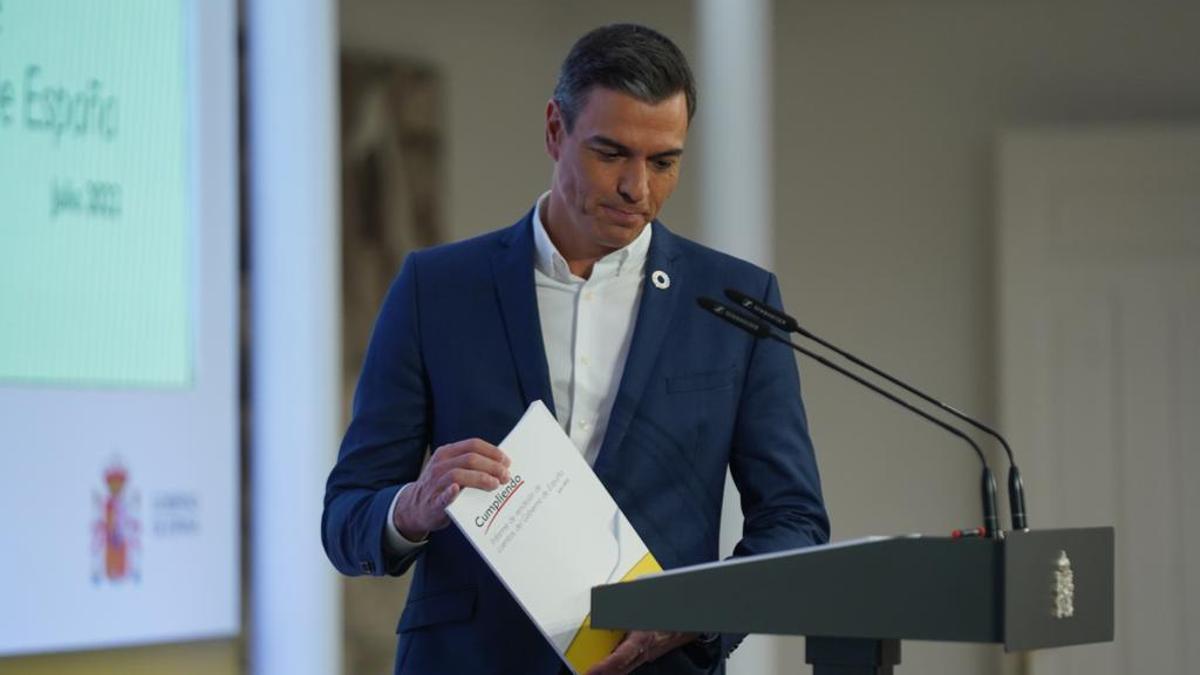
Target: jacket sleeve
x: 387, y: 440
x: 772, y: 460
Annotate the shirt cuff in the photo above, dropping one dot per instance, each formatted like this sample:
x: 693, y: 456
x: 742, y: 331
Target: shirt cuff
x: 397, y: 543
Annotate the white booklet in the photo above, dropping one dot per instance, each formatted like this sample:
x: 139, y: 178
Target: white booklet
x: 552, y: 533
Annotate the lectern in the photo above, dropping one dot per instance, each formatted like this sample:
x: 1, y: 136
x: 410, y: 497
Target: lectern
x: 857, y: 600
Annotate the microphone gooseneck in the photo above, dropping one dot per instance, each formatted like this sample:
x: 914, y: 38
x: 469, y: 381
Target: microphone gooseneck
x: 761, y: 330
x: 788, y: 324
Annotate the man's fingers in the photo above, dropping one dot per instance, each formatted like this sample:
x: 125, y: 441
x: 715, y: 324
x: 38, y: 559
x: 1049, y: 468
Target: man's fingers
x: 638, y: 648
x: 478, y: 462
x: 624, y: 658
x: 629, y: 654
x: 469, y: 470
x: 472, y: 445
x: 466, y: 478
x: 471, y: 463
x: 442, y: 499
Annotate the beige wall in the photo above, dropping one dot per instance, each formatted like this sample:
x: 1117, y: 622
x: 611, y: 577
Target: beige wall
x: 499, y: 61
x: 885, y: 115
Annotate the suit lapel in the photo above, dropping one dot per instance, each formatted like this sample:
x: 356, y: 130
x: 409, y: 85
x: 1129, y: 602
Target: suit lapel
x: 654, y: 316
x: 512, y: 267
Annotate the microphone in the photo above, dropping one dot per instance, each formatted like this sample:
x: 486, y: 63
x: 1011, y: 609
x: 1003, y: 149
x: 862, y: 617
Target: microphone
x: 752, y: 326
x: 788, y: 324
x: 760, y: 330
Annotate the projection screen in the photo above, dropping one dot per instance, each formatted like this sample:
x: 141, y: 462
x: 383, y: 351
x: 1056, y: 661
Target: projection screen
x: 118, y: 323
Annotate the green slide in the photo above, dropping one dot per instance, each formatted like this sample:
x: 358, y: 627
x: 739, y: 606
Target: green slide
x: 96, y: 246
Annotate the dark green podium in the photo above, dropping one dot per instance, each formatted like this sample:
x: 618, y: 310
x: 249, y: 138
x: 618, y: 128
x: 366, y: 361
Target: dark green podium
x: 855, y: 601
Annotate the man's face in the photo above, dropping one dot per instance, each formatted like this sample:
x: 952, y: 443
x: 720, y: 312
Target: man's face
x: 614, y: 170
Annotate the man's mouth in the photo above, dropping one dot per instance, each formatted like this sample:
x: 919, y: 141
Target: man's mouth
x: 623, y: 217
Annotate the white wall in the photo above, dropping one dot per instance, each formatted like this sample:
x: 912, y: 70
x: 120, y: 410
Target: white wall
x: 884, y: 113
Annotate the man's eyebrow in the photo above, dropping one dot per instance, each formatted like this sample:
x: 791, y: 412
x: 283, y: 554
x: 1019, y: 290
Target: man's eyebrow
x: 610, y: 143
x: 599, y: 139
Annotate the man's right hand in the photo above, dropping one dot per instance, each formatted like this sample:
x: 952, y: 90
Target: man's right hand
x: 421, y: 508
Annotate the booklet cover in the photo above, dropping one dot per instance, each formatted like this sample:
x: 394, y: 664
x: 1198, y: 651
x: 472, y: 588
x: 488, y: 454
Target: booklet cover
x: 552, y: 533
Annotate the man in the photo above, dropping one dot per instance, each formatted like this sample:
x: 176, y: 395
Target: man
x: 588, y: 304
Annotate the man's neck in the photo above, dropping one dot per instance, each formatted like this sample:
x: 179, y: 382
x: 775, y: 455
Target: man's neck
x: 579, y: 261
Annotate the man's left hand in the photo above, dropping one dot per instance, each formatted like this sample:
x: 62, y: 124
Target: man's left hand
x: 639, y: 647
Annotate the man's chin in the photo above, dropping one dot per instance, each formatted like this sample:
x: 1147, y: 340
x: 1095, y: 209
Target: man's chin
x: 615, y: 236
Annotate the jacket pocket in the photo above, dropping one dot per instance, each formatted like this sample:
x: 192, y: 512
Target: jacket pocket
x: 430, y: 610
x: 709, y: 379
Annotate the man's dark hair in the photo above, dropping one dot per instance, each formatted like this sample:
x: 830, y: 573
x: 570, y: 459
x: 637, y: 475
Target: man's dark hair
x: 624, y: 57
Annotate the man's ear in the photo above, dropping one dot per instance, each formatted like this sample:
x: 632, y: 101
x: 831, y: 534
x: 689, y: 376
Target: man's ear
x: 555, y: 129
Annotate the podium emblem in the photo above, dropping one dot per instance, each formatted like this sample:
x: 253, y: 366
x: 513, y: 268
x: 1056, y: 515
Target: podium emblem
x: 1064, y: 588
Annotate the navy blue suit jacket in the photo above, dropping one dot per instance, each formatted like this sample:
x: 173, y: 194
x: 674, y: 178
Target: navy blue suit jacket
x: 457, y: 353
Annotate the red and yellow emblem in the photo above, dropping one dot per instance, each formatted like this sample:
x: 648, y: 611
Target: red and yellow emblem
x: 115, y: 531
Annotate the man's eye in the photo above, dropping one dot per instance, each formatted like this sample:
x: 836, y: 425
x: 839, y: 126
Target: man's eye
x: 664, y: 164
x: 608, y: 155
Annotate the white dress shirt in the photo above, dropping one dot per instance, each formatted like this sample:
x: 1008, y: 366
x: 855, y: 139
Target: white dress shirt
x: 587, y: 325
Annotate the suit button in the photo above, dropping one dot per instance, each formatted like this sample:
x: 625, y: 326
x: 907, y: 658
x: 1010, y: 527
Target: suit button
x: 367, y: 567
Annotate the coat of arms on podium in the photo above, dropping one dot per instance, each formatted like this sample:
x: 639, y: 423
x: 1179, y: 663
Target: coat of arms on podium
x: 1064, y: 588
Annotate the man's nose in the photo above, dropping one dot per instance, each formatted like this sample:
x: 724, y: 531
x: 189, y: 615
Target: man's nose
x: 634, y: 182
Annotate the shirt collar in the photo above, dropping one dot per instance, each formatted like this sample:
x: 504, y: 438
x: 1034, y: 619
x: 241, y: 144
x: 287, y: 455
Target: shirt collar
x: 548, y: 261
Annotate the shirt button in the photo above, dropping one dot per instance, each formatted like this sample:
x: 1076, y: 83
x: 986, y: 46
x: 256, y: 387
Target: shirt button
x: 583, y: 425
x: 584, y: 360
x: 587, y: 295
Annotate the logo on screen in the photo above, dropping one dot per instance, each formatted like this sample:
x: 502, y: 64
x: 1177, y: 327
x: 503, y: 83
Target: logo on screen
x: 116, y: 541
